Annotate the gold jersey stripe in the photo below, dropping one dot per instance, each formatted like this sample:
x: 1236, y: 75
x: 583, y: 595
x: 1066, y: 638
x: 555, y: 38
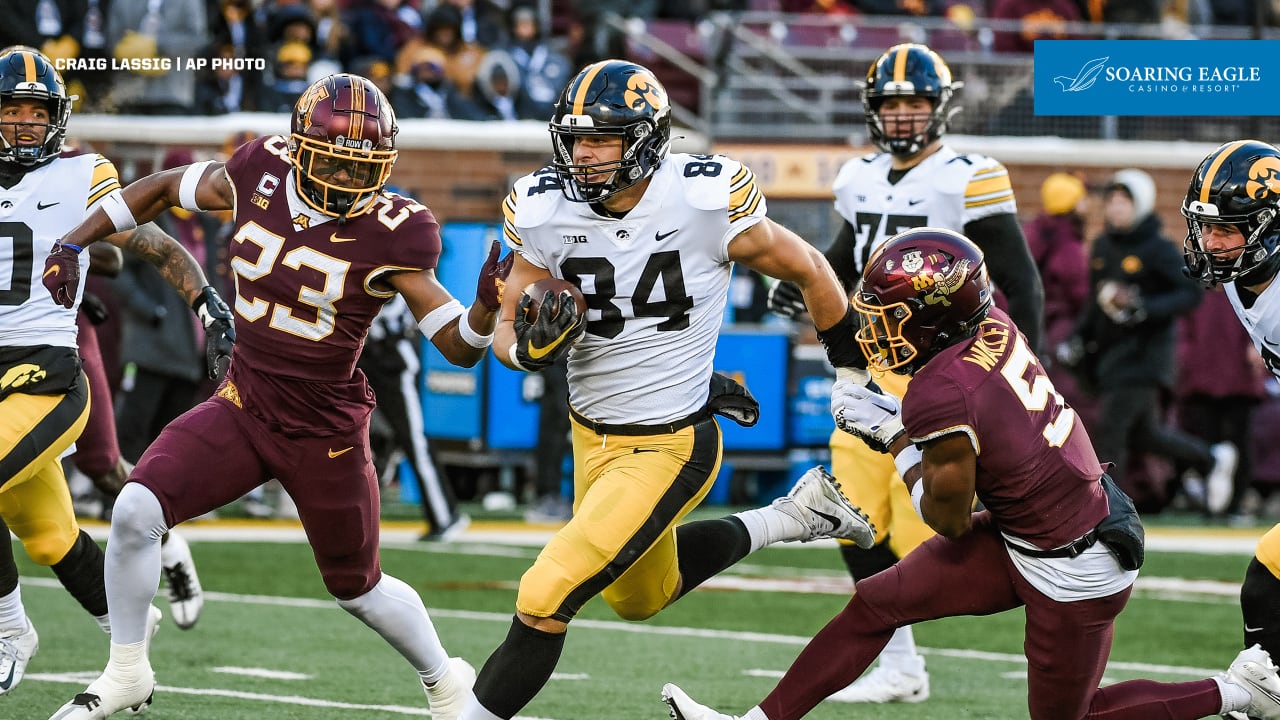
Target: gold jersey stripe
x: 509, y: 232
x: 742, y: 190
x: 753, y: 204
x: 1002, y: 197
x: 976, y: 188
x: 98, y: 192
x: 996, y: 169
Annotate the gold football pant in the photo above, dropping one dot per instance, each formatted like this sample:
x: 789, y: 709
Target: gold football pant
x: 629, y: 494
x: 870, y: 481
x: 35, y: 430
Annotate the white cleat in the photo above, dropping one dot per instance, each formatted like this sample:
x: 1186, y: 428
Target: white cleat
x: 883, y: 685
x: 186, y: 597
x: 106, y: 696
x: 816, y: 501
x: 448, y: 696
x: 683, y: 707
x: 1253, y: 670
x: 15, y: 652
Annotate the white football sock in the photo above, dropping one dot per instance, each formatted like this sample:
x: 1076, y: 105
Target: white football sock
x: 133, y: 562
x: 768, y: 525
x: 13, y: 617
x: 395, y: 612
x: 1234, y: 697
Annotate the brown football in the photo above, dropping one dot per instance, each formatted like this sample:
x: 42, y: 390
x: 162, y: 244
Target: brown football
x: 537, y: 290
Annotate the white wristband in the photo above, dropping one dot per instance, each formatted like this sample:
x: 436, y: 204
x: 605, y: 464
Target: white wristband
x: 434, y: 321
x: 118, y: 210
x: 907, y: 459
x: 190, y: 181
x: 515, y: 361
x: 470, y: 336
x: 917, y: 494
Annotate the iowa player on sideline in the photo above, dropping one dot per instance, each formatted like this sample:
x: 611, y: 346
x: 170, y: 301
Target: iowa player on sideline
x: 318, y: 248
x: 650, y: 239
x: 44, y: 394
x: 1233, y: 238
x: 1058, y: 538
x: 914, y: 181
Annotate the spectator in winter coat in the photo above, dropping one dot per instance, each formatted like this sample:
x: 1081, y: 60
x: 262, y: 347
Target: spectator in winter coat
x: 1138, y: 290
x: 1056, y: 240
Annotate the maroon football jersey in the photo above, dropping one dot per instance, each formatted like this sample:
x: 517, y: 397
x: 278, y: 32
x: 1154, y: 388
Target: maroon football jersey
x: 305, y: 284
x: 1037, y: 472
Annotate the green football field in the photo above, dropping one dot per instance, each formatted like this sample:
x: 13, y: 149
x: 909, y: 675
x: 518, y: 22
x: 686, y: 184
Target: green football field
x: 271, y: 644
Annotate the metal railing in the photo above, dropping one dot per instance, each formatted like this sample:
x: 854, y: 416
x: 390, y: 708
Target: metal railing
x: 796, y: 77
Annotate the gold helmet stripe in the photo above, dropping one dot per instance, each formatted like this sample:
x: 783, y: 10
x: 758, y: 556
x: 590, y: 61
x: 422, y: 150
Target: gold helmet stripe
x: 588, y: 75
x: 29, y: 65
x: 357, y: 90
x: 1209, y: 174
x: 900, y: 63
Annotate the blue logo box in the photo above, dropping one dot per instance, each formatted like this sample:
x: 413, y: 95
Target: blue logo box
x: 1157, y: 77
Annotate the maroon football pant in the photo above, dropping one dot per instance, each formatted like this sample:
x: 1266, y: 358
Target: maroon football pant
x: 216, y: 452
x: 1066, y: 643
x: 97, y: 450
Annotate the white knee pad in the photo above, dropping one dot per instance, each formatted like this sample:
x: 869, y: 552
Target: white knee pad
x: 137, y: 515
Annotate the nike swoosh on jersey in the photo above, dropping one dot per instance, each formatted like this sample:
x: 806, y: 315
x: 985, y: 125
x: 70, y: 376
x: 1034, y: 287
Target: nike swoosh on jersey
x: 537, y: 353
x: 334, y: 238
x: 334, y: 454
x: 663, y: 236
x: 42, y: 206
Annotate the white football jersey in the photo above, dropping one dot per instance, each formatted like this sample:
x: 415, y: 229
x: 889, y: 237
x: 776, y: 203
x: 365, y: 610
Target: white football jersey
x: 656, y: 281
x: 44, y: 206
x: 946, y: 190
x: 1262, y: 320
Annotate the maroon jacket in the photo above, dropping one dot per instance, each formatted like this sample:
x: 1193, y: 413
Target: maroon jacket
x: 1215, y: 354
x: 1057, y: 246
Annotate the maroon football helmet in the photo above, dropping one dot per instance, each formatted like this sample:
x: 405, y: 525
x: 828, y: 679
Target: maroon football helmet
x: 342, y: 144
x: 922, y: 290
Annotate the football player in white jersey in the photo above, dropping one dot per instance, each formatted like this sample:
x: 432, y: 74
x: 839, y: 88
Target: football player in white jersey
x: 915, y: 181
x: 650, y: 239
x: 1233, y: 238
x: 44, y: 399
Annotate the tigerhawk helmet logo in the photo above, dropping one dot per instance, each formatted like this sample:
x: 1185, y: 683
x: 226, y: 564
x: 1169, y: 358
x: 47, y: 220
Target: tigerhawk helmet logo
x: 1264, y: 178
x: 644, y: 90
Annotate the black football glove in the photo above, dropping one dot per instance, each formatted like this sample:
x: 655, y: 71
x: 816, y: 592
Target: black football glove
x: 219, y: 331
x: 785, y: 299
x: 62, y: 273
x: 540, y: 343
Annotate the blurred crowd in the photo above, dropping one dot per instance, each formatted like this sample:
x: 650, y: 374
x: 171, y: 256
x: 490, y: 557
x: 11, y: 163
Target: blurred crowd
x: 1169, y: 386
x: 457, y: 59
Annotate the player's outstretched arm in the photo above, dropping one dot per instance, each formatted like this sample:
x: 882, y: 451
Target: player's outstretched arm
x: 461, y: 335
x: 773, y: 250
x: 197, y: 187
